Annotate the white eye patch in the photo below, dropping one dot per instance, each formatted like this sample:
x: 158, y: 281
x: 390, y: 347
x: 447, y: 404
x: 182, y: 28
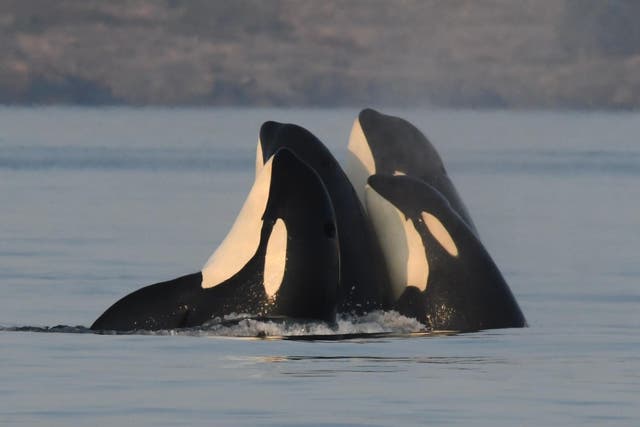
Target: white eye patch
x: 401, y: 244
x: 440, y: 233
x: 276, y: 258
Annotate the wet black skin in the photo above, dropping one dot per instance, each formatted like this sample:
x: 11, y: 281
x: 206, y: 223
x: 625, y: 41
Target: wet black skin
x: 397, y: 145
x: 310, y: 284
x: 464, y: 293
x: 363, y: 274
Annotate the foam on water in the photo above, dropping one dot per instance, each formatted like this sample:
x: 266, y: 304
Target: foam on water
x: 377, y: 322
x: 242, y: 325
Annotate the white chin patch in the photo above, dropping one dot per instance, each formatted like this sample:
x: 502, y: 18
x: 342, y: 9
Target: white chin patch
x: 360, y: 162
x: 275, y: 258
x: 401, y: 244
x: 440, y: 233
x: 243, y: 239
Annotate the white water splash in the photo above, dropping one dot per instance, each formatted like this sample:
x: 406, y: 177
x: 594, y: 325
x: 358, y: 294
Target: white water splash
x: 246, y: 326
x: 377, y: 322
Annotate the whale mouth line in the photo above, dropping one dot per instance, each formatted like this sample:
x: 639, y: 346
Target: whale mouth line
x: 374, y: 325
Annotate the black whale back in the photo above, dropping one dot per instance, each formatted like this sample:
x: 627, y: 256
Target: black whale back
x: 363, y: 275
x: 308, y: 287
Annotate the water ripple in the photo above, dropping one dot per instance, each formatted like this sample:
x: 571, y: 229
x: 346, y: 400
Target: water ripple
x: 105, y: 158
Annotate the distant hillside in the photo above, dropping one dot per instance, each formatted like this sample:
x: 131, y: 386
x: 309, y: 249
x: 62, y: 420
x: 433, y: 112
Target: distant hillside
x: 462, y: 53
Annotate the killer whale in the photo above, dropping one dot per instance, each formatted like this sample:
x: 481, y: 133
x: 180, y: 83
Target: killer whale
x: 383, y: 144
x: 304, y: 246
x: 281, y: 258
x: 363, y: 276
x: 440, y: 272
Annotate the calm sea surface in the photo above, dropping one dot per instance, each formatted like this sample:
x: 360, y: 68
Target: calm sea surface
x: 96, y: 203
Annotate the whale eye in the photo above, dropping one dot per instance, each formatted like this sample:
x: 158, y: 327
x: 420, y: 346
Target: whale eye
x: 440, y: 233
x: 330, y: 230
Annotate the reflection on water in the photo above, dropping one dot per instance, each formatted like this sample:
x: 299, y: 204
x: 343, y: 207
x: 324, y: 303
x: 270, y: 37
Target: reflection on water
x: 333, y: 366
x: 379, y: 359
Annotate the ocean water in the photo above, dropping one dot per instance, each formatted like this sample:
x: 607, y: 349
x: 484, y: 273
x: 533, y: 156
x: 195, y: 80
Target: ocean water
x: 96, y: 203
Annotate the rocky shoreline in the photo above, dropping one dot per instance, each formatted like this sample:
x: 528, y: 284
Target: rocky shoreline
x: 580, y: 54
